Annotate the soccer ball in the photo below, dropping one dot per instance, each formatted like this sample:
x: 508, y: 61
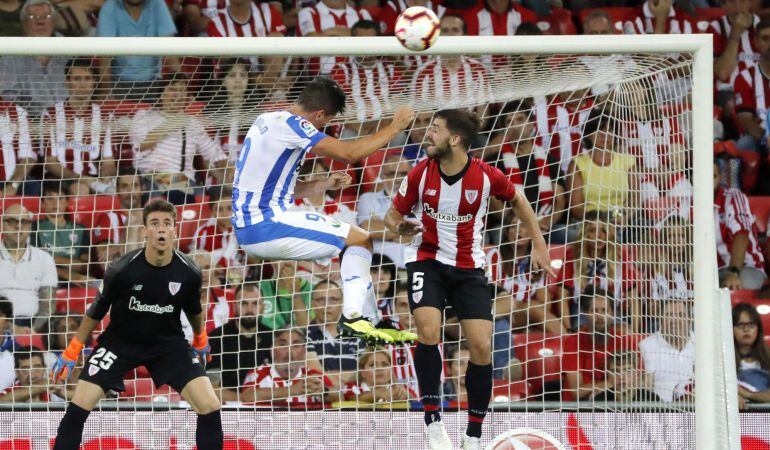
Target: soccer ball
x: 525, y: 439
x: 417, y: 28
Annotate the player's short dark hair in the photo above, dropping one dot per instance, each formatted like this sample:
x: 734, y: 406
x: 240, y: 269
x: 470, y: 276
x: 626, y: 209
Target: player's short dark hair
x: 6, y: 307
x: 588, y: 295
x: 461, y: 122
x: 84, y: 63
x: 25, y: 353
x: 764, y: 23
x: 322, y: 94
x: 158, y: 205
x: 528, y: 29
x: 366, y: 25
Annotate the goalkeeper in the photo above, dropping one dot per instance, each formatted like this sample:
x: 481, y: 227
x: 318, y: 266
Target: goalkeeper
x: 145, y: 292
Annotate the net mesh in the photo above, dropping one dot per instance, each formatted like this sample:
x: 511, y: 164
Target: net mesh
x: 600, y: 145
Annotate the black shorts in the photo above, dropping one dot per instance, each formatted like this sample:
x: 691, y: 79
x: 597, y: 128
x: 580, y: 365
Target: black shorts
x: 174, y: 364
x: 431, y: 283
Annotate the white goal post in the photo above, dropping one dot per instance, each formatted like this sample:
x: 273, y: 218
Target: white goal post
x: 716, y: 415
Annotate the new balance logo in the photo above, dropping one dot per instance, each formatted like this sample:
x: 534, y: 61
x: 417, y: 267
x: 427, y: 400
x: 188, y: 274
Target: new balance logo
x: 430, y: 192
x: 137, y: 287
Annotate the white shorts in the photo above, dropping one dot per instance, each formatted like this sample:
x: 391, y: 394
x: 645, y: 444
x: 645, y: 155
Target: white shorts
x: 295, y: 235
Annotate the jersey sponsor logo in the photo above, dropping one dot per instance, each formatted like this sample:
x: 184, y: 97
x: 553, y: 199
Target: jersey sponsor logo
x: 136, y: 305
x: 307, y: 128
x: 471, y: 195
x: 174, y: 287
x: 137, y: 287
x: 445, y: 216
x: 403, y: 187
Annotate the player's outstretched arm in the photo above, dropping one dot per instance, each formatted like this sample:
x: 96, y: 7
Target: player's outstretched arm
x: 354, y: 150
x: 399, y: 224
x: 541, y: 260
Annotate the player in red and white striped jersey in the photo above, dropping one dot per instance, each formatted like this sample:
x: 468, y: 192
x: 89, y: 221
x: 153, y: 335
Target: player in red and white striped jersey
x: 739, y: 257
x: 567, y: 114
x: 451, y: 80
x: 733, y: 41
x: 369, y: 81
x: 17, y: 154
x: 244, y: 18
x: 658, y: 17
x: 497, y: 18
x: 394, y: 8
x: 752, y: 92
x: 448, y: 193
x: 78, y: 136
x: 328, y: 18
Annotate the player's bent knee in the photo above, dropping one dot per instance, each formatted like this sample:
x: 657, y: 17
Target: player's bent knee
x: 87, y: 395
x: 358, y: 237
x: 430, y: 336
x: 207, y: 407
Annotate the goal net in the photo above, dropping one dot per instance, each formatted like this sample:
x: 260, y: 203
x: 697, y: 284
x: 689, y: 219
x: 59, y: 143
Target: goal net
x: 601, y: 143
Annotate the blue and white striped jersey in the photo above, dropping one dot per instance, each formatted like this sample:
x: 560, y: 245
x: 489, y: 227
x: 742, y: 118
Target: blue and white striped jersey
x: 268, y: 164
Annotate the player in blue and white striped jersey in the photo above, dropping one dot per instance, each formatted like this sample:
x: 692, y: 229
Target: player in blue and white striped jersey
x: 265, y: 187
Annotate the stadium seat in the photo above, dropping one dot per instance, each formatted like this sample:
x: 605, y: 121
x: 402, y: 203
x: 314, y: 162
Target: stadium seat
x: 560, y: 21
x: 709, y: 14
x: 516, y: 391
x: 371, y: 169
x: 189, y: 218
x: 541, y: 355
x: 85, y: 207
x: 743, y: 296
x: 16, y: 444
x: 31, y: 203
x: 74, y: 300
x: 30, y: 340
x: 760, y: 207
x: 143, y: 390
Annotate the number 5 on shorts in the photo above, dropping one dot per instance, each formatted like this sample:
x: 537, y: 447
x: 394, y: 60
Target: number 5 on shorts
x: 417, y: 283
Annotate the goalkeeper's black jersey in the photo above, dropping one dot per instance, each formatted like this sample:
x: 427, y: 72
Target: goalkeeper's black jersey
x: 145, y: 301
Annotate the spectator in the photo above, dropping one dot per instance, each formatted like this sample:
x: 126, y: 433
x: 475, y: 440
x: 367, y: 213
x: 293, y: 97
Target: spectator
x: 598, y: 22
x: 374, y: 381
x: 658, y: 17
x: 585, y: 353
x: 626, y: 381
x: 9, y: 18
x: 413, y: 150
x: 602, y: 179
x: 456, y: 366
x: 7, y: 344
x: 399, y: 316
x: 752, y: 357
x: 560, y: 122
x: 323, y: 339
x: 522, y: 292
x: 197, y: 15
x: 117, y: 232
x: 449, y: 80
x: 17, y: 155
x: 373, y: 205
x: 31, y: 383
x: 751, y: 104
x: 166, y: 140
x: 394, y: 8
x: 232, y: 99
x: 133, y: 76
x: 497, y: 18
x: 529, y: 167
x: 739, y: 256
x: 321, y: 202
x: 34, y: 83
x: 285, y: 297
x: 29, y: 273
x: 328, y: 18
x: 216, y: 235
x: 669, y: 354
x: 78, y: 144
x: 734, y: 41
x: 65, y: 240
x: 241, y: 344
x: 294, y: 376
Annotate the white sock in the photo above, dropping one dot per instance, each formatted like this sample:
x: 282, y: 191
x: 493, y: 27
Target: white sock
x: 356, y: 281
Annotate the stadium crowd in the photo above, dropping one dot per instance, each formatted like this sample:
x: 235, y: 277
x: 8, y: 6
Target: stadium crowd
x: 86, y: 142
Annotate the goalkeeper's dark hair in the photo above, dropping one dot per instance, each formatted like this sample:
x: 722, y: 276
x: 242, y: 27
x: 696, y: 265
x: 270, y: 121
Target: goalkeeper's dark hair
x: 6, y: 307
x: 83, y: 63
x: 158, y: 206
x: 461, y: 122
x: 25, y: 353
x: 322, y: 94
x: 366, y: 25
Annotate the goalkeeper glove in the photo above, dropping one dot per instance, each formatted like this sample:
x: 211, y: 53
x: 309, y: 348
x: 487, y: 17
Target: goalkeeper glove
x: 200, y: 345
x: 64, y: 365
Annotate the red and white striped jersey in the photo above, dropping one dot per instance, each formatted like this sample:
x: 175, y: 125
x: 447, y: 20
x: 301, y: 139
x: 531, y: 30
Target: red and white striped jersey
x: 565, y: 129
x: 221, y: 243
x: 435, y: 82
x: 451, y: 209
x: 218, y: 312
x: 264, y: 19
x: 482, y: 21
x: 330, y: 207
x: 78, y: 142
x: 673, y: 285
x: 747, y: 52
x: 394, y: 8
x: 752, y: 93
x: 266, y: 377
x: 641, y: 22
x: 732, y: 216
x: 651, y: 141
x: 369, y: 84
x: 230, y: 139
x: 15, y: 139
x: 209, y: 8
x: 110, y: 227
x: 319, y: 18
x: 663, y: 196
x: 519, y: 284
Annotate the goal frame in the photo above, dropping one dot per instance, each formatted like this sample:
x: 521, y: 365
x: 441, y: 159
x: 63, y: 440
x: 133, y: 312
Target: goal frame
x: 714, y: 409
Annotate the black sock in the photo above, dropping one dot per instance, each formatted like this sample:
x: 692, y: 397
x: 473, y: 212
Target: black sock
x: 208, y: 434
x: 70, y: 431
x: 478, y: 383
x: 427, y: 364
